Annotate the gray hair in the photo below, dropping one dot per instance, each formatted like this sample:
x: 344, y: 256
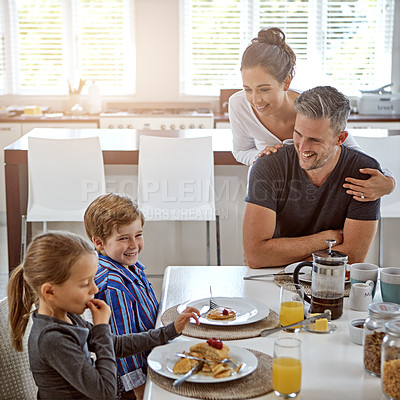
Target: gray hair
x: 324, y: 102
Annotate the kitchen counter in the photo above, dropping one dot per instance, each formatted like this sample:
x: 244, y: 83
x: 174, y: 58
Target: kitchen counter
x: 218, y: 117
x: 222, y: 117
x: 45, y: 118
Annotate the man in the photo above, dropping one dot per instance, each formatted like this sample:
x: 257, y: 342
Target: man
x: 296, y: 201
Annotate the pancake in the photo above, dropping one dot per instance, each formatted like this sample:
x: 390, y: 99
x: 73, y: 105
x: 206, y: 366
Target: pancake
x: 221, y: 370
x: 222, y: 313
x: 213, y: 350
x: 209, y: 352
x: 183, y: 365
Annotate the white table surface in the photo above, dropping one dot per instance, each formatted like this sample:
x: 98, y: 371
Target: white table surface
x: 332, y: 364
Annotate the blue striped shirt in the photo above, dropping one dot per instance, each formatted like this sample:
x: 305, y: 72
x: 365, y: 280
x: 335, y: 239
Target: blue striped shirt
x: 134, y: 309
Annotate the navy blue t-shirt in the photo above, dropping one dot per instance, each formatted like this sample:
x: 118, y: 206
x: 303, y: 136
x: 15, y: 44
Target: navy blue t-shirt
x: 279, y: 183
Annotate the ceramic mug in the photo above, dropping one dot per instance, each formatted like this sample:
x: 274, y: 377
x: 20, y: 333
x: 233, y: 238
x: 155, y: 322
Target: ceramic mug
x: 390, y: 284
x: 361, y: 295
x: 363, y: 272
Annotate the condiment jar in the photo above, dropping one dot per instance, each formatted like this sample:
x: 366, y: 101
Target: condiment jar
x: 374, y: 332
x: 390, y: 365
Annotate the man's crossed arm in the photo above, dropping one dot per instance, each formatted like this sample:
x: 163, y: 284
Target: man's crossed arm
x: 261, y: 250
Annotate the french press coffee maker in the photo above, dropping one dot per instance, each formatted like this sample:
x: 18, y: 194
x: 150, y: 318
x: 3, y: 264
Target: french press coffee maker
x: 327, y: 280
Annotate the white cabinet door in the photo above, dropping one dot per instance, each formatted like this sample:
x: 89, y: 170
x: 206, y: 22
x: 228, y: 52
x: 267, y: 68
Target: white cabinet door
x: 28, y: 126
x: 222, y: 125
x: 9, y: 132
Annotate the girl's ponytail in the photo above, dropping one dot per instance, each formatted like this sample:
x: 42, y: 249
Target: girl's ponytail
x: 20, y: 300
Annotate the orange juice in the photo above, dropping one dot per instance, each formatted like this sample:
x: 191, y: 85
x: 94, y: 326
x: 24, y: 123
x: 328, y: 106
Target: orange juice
x: 286, y: 375
x: 291, y: 312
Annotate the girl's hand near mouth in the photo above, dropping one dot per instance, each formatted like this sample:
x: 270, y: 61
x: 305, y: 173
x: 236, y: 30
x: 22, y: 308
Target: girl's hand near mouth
x: 100, y: 311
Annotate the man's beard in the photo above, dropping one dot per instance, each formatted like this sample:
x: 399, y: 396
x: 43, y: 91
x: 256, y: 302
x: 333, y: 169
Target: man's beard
x: 316, y: 165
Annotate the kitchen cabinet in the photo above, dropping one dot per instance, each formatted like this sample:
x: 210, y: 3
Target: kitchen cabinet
x: 9, y: 132
x: 222, y: 125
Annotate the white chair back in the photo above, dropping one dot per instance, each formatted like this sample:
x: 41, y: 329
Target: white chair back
x: 176, y: 179
x: 16, y: 380
x: 65, y: 176
x: 386, y: 150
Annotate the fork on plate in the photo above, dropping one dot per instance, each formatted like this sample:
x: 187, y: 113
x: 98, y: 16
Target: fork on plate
x: 232, y: 364
x: 227, y: 361
x: 212, y: 305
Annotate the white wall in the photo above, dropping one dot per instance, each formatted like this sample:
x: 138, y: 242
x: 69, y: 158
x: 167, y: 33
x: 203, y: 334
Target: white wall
x: 157, y: 51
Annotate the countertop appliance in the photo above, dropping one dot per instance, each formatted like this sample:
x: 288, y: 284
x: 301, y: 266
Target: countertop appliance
x: 158, y: 119
x: 379, y: 102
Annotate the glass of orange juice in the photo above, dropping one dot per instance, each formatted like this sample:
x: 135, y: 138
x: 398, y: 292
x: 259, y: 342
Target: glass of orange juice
x: 286, y: 367
x: 291, y: 305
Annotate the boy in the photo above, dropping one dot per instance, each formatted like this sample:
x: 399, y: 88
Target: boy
x: 115, y: 225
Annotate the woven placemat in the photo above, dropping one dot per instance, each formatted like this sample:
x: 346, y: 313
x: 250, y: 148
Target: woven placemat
x: 281, y: 279
x: 256, y: 384
x: 223, y: 332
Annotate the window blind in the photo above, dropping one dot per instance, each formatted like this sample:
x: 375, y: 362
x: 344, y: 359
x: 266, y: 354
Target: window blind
x: 212, y: 42
x: 346, y: 44
x: 53, y: 42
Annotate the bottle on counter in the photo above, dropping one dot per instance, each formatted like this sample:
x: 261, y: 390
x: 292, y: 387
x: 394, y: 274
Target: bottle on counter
x: 390, y: 363
x: 374, y: 332
x: 94, y: 99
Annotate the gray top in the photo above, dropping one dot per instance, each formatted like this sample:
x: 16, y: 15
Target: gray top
x: 279, y: 183
x: 60, y: 361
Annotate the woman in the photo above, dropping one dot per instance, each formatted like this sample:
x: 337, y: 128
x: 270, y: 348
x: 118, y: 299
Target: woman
x: 262, y: 116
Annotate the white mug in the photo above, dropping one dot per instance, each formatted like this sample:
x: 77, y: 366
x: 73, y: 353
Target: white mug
x: 361, y: 295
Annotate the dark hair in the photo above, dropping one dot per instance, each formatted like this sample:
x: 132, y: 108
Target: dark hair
x: 324, y: 102
x: 270, y: 51
x: 109, y: 211
x: 49, y: 258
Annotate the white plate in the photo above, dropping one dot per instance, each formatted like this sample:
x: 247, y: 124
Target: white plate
x: 162, y: 360
x: 307, y: 272
x: 247, y: 311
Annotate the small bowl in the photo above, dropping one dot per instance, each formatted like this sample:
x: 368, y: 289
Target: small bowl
x: 356, y: 330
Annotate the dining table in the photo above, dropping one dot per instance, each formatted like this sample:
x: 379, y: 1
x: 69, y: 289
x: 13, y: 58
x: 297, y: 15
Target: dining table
x: 332, y: 365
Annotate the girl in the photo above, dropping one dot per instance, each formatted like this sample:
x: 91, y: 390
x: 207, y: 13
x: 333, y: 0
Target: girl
x: 58, y: 275
x: 262, y: 115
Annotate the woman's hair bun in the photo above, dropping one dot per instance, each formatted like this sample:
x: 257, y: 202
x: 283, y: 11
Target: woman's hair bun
x: 271, y: 36
x: 270, y: 50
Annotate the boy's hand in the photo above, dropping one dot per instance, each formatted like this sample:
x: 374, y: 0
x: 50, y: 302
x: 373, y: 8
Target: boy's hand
x: 184, y: 318
x: 100, y: 311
